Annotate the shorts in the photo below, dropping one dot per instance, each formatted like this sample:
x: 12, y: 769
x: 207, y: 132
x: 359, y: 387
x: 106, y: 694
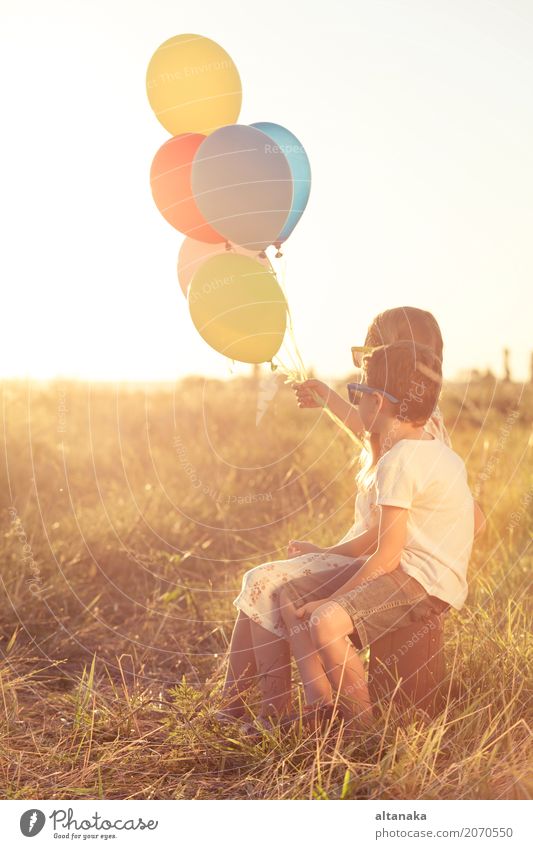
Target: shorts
x: 394, y: 600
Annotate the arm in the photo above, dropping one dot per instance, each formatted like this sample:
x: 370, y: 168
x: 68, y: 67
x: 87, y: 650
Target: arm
x: 391, y: 542
x: 346, y: 412
x: 307, y: 392
x: 362, y: 544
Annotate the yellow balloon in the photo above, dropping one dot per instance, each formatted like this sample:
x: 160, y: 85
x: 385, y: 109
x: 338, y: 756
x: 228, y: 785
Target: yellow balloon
x: 193, y: 85
x: 238, y: 307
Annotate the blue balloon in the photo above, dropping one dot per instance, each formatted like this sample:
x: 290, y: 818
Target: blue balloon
x: 300, y: 170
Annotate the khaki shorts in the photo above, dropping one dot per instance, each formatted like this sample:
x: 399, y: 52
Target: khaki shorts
x: 394, y: 600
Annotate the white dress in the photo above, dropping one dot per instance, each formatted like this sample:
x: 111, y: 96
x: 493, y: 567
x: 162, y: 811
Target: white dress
x: 259, y: 595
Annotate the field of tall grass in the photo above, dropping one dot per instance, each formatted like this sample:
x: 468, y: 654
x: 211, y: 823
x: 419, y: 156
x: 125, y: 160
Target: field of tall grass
x: 128, y: 517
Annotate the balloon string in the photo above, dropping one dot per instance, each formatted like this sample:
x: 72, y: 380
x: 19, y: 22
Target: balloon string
x: 299, y: 372
x: 300, y: 365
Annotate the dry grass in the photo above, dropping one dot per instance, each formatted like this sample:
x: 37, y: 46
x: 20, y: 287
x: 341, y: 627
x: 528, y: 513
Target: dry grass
x: 133, y: 514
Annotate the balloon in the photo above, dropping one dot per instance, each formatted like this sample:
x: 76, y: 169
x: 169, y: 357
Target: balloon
x: 300, y: 170
x: 170, y: 181
x: 243, y: 185
x: 193, y: 85
x: 193, y: 254
x: 238, y: 307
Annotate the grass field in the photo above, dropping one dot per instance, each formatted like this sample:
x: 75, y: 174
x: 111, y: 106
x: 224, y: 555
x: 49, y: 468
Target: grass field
x: 128, y: 518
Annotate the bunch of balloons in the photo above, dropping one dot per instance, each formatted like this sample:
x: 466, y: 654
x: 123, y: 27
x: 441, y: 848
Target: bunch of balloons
x: 232, y: 190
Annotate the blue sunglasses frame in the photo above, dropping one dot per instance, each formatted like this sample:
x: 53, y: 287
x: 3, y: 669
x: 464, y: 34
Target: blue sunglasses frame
x: 356, y: 390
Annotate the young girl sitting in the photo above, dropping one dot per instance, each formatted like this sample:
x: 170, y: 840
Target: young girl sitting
x: 426, y: 528
x: 259, y: 649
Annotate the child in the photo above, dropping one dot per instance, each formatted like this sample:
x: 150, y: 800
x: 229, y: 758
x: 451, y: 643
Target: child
x: 259, y: 649
x: 426, y: 529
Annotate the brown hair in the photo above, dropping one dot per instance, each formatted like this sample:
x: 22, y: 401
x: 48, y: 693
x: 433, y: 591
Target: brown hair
x: 407, y: 323
x: 390, y: 326
x: 409, y: 371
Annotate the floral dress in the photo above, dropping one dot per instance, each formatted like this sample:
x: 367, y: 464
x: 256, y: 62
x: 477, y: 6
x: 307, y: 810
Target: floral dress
x: 259, y: 595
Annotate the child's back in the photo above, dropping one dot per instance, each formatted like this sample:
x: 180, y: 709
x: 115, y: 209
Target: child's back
x: 429, y: 479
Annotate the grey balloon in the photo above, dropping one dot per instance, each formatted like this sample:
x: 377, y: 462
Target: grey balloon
x: 242, y: 184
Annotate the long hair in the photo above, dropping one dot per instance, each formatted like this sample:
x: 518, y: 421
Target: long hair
x: 396, y: 325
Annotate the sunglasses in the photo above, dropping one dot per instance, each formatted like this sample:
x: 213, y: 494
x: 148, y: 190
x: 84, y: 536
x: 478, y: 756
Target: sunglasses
x: 357, y: 354
x: 357, y: 390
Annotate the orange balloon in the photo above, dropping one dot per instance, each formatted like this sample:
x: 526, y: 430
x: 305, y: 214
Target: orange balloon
x: 193, y: 254
x: 170, y: 181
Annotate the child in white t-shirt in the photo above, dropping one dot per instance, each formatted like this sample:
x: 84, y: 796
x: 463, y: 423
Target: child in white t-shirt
x: 428, y: 480
x: 425, y: 536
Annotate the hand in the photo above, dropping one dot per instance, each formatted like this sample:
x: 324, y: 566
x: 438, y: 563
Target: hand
x: 299, y: 546
x: 307, y: 610
x: 308, y: 390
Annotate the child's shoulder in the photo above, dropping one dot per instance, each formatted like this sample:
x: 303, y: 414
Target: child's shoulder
x: 411, y: 451
x: 427, y: 463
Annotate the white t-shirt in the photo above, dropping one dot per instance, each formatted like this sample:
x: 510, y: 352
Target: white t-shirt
x: 429, y: 480
x: 366, y: 509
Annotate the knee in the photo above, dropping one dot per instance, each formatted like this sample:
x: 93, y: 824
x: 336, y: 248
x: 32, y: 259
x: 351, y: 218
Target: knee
x: 323, y: 627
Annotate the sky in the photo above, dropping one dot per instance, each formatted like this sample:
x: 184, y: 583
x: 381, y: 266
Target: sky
x: 417, y: 117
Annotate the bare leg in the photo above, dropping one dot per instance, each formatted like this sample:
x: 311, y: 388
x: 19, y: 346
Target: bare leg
x: 330, y: 626
x: 241, y: 670
x: 314, y: 679
x: 272, y: 657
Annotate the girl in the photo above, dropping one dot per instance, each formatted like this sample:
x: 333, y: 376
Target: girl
x: 259, y: 649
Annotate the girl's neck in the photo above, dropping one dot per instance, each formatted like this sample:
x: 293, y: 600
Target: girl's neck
x: 397, y: 431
